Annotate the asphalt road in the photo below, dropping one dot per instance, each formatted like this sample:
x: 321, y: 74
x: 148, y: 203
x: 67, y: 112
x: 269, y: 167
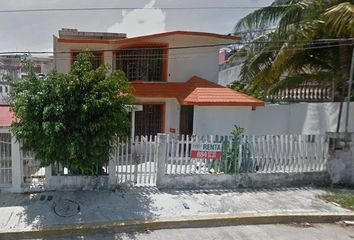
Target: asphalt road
x: 251, y: 232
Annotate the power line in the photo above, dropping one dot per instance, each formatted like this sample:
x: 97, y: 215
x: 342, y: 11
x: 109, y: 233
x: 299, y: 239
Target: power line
x: 126, y: 8
x: 346, y: 41
x: 178, y: 56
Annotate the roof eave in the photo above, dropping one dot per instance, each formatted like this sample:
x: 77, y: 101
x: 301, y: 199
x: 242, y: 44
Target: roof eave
x: 151, y: 36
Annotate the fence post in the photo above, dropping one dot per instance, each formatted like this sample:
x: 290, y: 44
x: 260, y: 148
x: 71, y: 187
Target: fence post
x: 48, y: 175
x: 112, y: 164
x: 16, y: 165
x: 161, y: 158
x: 340, y: 164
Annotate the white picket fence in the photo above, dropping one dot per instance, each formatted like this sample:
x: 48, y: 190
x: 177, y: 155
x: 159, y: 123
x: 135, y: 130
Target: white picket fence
x: 141, y: 160
x: 135, y: 161
x: 179, y: 160
x: 283, y: 153
x: 262, y: 154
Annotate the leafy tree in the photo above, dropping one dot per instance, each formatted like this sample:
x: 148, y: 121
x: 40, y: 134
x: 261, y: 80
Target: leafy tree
x: 71, y: 118
x: 293, y: 53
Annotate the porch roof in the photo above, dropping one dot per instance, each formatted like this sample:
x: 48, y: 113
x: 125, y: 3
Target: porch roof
x: 196, y: 91
x: 6, y: 116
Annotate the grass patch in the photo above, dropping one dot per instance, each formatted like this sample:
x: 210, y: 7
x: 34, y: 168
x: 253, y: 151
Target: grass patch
x: 346, y: 200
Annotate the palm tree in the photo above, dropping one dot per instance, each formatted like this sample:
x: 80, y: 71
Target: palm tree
x: 294, y: 52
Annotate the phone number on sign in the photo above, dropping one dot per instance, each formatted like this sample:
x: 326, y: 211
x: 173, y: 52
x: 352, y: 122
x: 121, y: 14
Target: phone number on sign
x: 206, y: 154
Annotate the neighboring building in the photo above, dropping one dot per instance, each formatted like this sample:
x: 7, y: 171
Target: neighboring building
x: 4, y: 91
x: 10, y: 66
x: 222, y: 57
x: 169, y: 80
x: 229, y: 72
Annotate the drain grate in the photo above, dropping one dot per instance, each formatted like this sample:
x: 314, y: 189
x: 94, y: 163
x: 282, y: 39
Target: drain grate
x: 66, y: 208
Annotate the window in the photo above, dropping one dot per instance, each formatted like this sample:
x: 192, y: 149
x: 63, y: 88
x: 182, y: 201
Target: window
x: 144, y: 63
x: 96, y: 60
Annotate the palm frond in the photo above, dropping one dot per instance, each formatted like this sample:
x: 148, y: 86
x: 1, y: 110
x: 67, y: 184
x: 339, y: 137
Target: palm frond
x: 292, y: 15
x: 258, y: 63
x: 342, y: 26
x: 257, y: 44
x: 267, y: 16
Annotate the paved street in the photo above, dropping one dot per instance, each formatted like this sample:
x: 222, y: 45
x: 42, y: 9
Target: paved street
x: 253, y: 232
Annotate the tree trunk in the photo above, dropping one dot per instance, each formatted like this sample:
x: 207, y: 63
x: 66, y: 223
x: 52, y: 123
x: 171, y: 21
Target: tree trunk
x: 345, y: 60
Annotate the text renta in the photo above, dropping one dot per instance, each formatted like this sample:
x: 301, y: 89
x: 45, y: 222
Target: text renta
x: 206, y: 150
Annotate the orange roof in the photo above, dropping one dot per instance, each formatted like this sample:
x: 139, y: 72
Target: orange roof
x: 196, y: 91
x: 151, y: 36
x: 6, y: 116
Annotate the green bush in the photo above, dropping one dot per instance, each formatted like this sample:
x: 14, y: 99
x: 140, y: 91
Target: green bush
x: 71, y: 118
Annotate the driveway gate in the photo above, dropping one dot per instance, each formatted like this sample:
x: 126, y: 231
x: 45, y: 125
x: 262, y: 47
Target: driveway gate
x: 135, y: 161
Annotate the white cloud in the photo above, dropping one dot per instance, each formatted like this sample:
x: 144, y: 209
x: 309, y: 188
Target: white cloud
x: 141, y: 22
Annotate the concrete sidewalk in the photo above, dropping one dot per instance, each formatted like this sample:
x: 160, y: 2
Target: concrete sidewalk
x: 68, y: 211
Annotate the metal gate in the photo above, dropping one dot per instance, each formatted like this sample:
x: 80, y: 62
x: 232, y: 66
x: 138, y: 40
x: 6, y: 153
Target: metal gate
x: 5, y: 160
x: 32, y: 171
x: 135, y: 161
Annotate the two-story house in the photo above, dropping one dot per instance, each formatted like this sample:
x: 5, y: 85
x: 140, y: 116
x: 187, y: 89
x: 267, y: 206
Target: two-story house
x: 172, y: 74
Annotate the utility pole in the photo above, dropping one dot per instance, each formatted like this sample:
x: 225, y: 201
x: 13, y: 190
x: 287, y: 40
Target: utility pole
x: 349, y: 93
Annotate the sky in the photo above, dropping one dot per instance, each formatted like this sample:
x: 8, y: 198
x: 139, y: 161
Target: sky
x: 33, y: 31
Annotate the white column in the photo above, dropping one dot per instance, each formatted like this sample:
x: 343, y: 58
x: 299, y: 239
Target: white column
x: 16, y: 165
x: 161, y: 158
x: 108, y: 58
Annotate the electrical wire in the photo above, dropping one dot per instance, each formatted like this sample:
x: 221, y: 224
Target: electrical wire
x: 318, y: 41
x: 183, y: 56
x: 129, y: 8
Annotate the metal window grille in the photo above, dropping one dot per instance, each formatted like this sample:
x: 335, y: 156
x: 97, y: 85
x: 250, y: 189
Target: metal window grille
x: 141, y: 64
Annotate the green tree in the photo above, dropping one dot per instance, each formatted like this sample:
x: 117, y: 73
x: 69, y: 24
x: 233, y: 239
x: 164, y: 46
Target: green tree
x: 293, y: 53
x: 71, y: 118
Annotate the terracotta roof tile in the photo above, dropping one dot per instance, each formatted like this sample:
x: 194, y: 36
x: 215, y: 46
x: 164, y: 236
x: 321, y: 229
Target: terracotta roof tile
x: 196, y: 91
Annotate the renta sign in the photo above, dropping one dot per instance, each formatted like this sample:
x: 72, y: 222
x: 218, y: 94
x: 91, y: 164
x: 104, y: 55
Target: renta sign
x: 206, y: 150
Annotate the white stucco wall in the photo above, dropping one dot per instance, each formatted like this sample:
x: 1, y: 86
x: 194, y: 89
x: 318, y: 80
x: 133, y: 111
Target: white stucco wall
x: 297, y: 118
x: 188, y: 62
x: 229, y: 75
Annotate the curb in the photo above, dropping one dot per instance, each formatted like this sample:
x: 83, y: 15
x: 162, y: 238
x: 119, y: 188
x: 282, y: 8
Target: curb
x: 181, y: 222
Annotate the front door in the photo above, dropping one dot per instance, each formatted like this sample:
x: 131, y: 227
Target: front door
x: 149, y: 121
x: 186, y: 120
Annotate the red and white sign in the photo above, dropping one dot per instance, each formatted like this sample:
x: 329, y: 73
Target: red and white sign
x: 206, y: 150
